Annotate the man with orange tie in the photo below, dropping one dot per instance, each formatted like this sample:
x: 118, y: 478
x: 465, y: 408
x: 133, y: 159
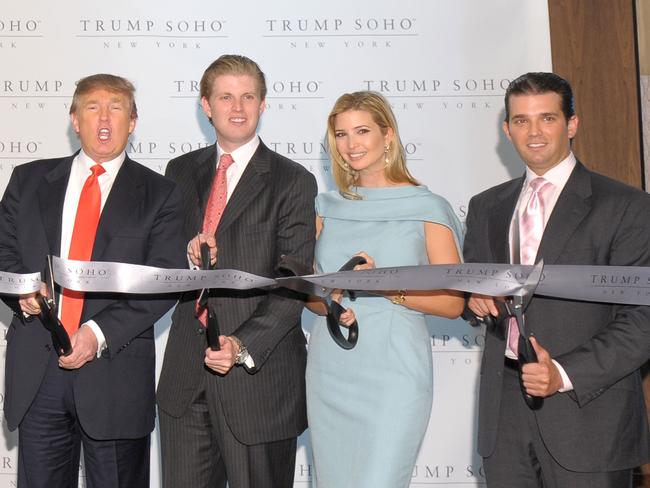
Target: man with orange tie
x: 590, y: 428
x: 95, y: 205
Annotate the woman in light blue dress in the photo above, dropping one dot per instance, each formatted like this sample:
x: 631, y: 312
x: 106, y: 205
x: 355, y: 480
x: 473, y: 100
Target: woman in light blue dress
x: 369, y: 406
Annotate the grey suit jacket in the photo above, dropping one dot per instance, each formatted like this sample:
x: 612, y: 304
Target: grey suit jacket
x: 140, y: 224
x: 270, y: 214
x: 602, y: 424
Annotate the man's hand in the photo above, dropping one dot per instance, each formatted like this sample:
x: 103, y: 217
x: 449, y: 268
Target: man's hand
x: 84, y: 349
x: 482, y: 305
x: 194, y: 249
x: 223, y: 360
x: 541, y: 379
x: 28, y: 303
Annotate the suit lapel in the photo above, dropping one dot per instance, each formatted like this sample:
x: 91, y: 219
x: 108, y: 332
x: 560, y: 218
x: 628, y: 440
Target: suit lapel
x: 248, y: 188
x: 571, y: 208
x: 126, y: 194
x: 51, y: 196
x: 205, y: 171
x: 499, y: 221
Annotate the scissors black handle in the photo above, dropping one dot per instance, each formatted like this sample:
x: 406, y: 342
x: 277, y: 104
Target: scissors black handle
x: 335, y: 310
x: 213, y: 332
x: 527, y: 355
x: 48, y: 316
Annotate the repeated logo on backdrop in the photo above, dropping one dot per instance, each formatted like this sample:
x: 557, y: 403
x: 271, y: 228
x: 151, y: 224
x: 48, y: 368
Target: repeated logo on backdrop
x: 435, y: 62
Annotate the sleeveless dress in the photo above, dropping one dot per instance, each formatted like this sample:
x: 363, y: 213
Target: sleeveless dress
x: 368, y: 407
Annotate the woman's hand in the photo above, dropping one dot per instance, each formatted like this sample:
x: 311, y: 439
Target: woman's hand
x: 347, y: 318
x: 370, y: 263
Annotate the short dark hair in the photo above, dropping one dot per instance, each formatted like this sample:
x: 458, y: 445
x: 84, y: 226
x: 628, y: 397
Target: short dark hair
x: 539, y: 83
x: 232, y: 64
x: 104, y: 81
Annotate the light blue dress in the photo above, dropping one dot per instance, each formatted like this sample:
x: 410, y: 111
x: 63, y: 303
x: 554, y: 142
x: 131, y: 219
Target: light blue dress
x: 368, y: 407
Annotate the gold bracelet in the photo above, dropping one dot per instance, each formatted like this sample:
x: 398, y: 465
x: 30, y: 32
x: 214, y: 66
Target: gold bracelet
x: 399, y: 298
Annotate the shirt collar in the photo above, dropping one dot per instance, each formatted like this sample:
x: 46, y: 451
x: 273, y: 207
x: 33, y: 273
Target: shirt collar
x: 558, y: 174
x: 111, y: 167
x: 243, y: 154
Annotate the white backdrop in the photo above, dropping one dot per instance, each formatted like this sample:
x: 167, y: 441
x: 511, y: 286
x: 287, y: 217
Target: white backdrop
x: 443, y: 64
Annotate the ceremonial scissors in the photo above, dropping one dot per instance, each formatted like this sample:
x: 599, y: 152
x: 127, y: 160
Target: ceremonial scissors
x: 517, y: 305
x: 50, y: 317
x: 212, y: 325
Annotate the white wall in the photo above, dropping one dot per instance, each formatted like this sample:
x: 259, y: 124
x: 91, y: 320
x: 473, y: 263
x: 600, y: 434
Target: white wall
x: 443, y: 64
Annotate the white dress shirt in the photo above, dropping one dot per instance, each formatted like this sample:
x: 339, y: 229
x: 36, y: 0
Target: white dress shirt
x: 241, y: 157
x: 79, y: 173
x: 558, y: 176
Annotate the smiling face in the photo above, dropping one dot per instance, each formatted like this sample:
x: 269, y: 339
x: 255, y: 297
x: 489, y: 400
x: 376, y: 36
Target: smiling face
x: 361, y: 141
x: 539, y: 130
x: 235, y: 107
x: 103, y: 121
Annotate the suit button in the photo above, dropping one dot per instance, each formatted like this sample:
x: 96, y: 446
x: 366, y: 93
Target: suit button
x: 200, y: 331
x: 48, y: 348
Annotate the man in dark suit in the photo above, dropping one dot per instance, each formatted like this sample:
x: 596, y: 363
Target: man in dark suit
x: 235, y: 414
x: 591, y: 429
x: 102, y: 394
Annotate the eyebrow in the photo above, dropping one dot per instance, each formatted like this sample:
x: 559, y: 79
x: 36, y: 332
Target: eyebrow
x: 543, y: 114
x: 112, y: 100
x: 357, y: 127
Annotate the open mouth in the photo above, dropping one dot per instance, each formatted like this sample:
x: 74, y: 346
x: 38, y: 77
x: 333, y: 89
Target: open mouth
x: 104, y: 134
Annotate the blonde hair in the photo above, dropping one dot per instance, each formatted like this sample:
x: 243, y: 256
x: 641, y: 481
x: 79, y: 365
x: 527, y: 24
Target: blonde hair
x: 379, y: 109
x: 232, y: 64
x: 104, y: 81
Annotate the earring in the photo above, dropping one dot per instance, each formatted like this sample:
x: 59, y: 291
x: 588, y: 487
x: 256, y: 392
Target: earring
x: 386, y: 149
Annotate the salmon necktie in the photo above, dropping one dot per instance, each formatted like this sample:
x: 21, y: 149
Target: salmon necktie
x: 81, y: 244
x: 213, y: 212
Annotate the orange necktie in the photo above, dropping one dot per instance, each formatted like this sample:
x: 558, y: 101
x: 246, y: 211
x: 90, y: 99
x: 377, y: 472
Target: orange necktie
x: 81, y: 245
x: 213, y: 212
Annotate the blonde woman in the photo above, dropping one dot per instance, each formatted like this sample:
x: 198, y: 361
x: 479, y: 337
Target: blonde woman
x: 368, y: 407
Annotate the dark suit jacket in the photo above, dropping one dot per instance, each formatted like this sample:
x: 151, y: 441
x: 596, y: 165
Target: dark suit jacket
x: 602, y: 424
x: 141, y: 224
x: 270, y: 213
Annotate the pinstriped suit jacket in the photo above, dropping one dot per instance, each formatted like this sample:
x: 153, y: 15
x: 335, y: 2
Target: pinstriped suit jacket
x: 270, y: 213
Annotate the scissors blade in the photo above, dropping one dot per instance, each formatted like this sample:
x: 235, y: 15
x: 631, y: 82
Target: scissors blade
x: 530, y: 285
x: 205, y: 265
x: 50, y: 284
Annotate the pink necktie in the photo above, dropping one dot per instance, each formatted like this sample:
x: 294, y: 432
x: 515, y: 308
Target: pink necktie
x: 213, y: 212
x: 531, y: 229
x: 81, y: 244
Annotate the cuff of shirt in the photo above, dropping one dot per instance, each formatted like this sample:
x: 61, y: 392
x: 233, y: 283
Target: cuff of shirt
x: 101, y: 339
x: 566, y: 382
x: 249, y: 363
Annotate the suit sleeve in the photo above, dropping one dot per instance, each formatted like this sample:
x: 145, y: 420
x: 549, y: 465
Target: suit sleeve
x: 279, y: 313
x: 10, y: 255
x: 126, y: 319
x: 623, y: 344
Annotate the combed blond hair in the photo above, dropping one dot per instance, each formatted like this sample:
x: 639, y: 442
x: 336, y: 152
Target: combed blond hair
x: 379, y: 109
x: 232, y: 64
x: 110, y: 83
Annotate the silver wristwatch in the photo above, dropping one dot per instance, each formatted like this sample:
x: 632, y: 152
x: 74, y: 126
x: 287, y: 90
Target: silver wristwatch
x: 242, y: 355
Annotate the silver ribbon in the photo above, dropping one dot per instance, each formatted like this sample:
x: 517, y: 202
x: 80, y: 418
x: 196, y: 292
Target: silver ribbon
x: 608, y: 284
x: 19, y: 284
x: 96, y: 276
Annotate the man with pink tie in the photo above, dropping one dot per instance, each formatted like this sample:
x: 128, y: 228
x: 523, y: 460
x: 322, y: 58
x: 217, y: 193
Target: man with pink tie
x: 591, y: 429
